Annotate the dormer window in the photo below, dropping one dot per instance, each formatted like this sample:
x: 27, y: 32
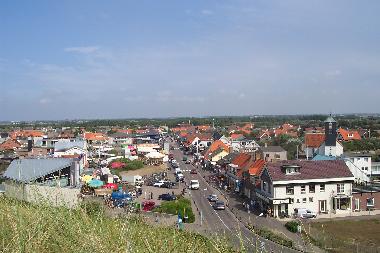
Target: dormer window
x: 350, y: 135
x: 291, y: 169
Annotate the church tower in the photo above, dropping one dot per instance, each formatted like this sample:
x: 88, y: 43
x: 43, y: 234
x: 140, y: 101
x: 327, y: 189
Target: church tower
x: 330, y: 132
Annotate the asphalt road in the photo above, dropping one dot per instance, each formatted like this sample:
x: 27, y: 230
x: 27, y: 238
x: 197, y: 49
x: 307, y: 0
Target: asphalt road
x: 222, y: 222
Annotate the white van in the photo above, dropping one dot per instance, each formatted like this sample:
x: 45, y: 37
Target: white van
x: 304, y: 213
x: 194, y: 185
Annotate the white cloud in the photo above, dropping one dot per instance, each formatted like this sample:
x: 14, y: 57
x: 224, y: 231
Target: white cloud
x: 82, y: 50
x: 44, y: 101
x: 207, y: 12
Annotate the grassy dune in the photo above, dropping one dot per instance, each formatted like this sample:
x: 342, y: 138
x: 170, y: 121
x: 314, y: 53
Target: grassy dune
x: 28, y: 228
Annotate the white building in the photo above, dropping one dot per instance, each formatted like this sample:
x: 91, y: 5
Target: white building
x: 320, y: 186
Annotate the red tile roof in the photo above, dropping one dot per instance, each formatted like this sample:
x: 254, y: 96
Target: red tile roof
x: 236, y: 136
x: 218, y: 144
x: 26, y: 133
x: 256, y: 168
x: 241, y: 159
x: 94, y: 136
x: 10, y: 144
x: 310, y: 170
x: 314, y: 140
x: 349, y: 135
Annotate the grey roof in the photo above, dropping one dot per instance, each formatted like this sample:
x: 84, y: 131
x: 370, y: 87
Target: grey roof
x: 351, y: 154
x: 27, y: 170
x: 65, y: 145
x: 330, y: 119
x: 273, y: 149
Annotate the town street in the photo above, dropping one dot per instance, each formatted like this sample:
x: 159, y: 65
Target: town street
x: 222, y: 222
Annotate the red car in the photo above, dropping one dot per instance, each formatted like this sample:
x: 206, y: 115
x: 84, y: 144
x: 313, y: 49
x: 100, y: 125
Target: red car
x: 148, y: 205
x: 193, y: 171
x: 111, y: 186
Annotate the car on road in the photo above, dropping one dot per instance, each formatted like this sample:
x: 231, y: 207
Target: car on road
x: 188, y: 161
x: 180, y: 177
x: 184, y: 158
x: 177, y: 171
x: 212, y: 198
x: 194, y: 184
x: 219, y: 205
x: 160, y: 183
x: 304, y: 213
x: 193, y: 171
x: 167, y: 197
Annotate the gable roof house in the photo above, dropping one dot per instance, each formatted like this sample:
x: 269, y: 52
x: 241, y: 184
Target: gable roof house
x: 50, y: 180
x: 235, y: 170
x: 320, y: 186
x: 216, y: 151
x: 10, y: 144
x: 348, y: 135
x: 251, y: 176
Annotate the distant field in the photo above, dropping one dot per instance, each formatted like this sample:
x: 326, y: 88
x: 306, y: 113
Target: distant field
x: 348, y: 235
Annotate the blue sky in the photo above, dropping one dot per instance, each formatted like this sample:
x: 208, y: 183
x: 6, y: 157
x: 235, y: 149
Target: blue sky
x: 121, y: 59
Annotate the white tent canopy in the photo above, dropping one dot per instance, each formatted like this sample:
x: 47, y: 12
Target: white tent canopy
x: 154, y: 155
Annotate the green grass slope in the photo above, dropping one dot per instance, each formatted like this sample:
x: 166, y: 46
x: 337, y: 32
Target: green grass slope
x: 29, y: 228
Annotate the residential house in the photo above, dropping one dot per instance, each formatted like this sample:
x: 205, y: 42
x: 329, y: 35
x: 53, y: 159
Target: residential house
x: 348, y: 135
x: 375, y: 169
x: 121, y: 138
x: 72, y: 149
x: 320, y: 186
x: 251, y: 177
x: 244, y: 145
x: 93, y: 138
x: 274, y: 153
x: 235, y: 170
x: 215, y: 152
x: 365, y: 197
x: 10, y: 144
x: 312, y: 143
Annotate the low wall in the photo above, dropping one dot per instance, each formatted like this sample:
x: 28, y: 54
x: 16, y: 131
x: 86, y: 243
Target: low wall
x: 54, y: 196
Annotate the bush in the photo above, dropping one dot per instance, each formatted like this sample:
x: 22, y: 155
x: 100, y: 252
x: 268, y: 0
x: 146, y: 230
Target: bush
x: 292, y: 226
x: 178, y: 206
x: 268, y: 234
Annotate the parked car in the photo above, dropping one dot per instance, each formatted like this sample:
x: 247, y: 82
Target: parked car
x: 188, y: 161
x: 304, y: 213
x: 193, y: 171
x: 194, y: 185
x: 159, y: 183
x: 167, y: 197
x: 178, y: 171
x: 212, y: 198
x: 219, y: 205
x: 180, y: 177
x: 168, y: 185
x: 184, y: 158
x: 148, y: 205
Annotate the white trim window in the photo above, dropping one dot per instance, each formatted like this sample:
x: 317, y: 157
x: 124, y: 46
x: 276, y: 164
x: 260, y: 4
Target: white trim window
x: 289, y: 190
x: 303, y: 189
x: 340, y: 188
x: 322, y: 187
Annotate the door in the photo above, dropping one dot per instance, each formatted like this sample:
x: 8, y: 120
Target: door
x: 322, y: 206
x: 357, y: 204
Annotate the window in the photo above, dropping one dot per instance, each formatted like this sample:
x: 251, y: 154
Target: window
x: 340, y: 188
x: 311, y: 199
x: 304, y: 200
x: 289, y: 190
x: 303, y: 189
x: 370, y: 202
x: 366, y: 168
x: 298, y: 200
x: 291, y: 201
x: 311, y: 188
x: 322, y: 187
x: 265, y: 186
x: 266, y: 155
x: 366, y: 159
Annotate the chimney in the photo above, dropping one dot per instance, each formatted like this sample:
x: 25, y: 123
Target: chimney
x: 30, y: 144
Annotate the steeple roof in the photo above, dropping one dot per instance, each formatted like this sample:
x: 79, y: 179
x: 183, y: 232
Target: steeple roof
x: 330, y: 119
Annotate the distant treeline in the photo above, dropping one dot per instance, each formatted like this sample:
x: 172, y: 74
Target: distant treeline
x: 347, y: 121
